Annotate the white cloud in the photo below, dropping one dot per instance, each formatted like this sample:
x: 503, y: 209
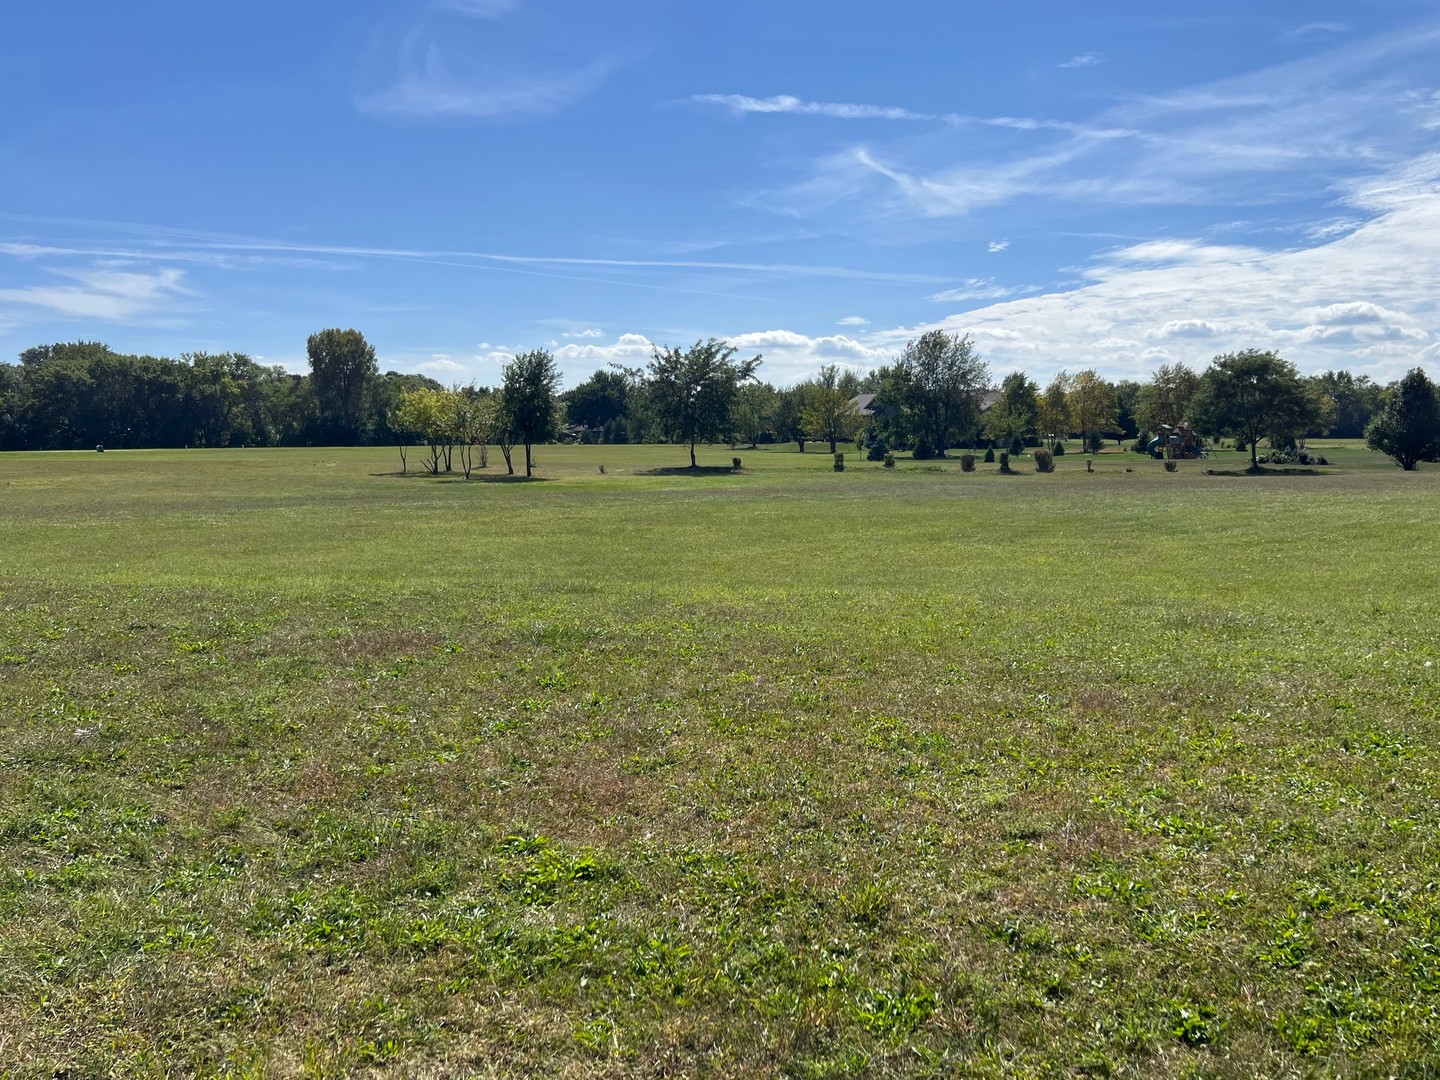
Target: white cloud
x: 101, y: 294
x: 853, y: 320
x: 996, y: 246
x: 429, y: 88
x: 1185, y: 328
x: 1084, y: 60
x: 441, y: 365
x: 1316, y: 29
x: 742, y: 104
x: 979, y: 289
x: 589, y: 333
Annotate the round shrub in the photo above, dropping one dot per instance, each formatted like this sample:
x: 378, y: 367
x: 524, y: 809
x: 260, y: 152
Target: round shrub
x: 1044, y: 461
x: 967, y: 462
x: 889, y: 460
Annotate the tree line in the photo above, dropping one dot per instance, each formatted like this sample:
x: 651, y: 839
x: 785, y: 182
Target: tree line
x: 936, y: 395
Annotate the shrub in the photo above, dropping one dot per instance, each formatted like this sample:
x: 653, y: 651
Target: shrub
x: 735, y: 463
x: 889, y: 460
x: 1044, y: 461
x: 967, y: 462
x: 1059, y: 448
x: 877, y: 451
x: 923, y: 451
x: 1017, y: 445
x: 1170, y: 466
x: 1005, y: 461
x: 990, y: 456
x: 839, y: 462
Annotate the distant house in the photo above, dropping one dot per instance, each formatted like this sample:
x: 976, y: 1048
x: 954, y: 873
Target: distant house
x: 863, y: 404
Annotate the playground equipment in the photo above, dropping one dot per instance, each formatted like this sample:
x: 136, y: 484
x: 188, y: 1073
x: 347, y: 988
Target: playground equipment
x: 1176, y: 443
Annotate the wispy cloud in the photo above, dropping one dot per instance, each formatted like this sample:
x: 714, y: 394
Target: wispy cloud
x: 584, y: 334
x: 447, y: 67
x: 979, y: 289
x: 853, y: 320
x: 1084, y: 60
x: 741, y: 104
x: 1305, y: 127
x: 100, y: 294
x: 996, y: 246
x: 1315, y: 29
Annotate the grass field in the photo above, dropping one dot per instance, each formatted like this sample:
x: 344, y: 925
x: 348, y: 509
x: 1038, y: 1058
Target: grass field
x: 309, y: 768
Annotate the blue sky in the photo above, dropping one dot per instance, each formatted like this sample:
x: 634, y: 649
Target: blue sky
x: 1109, y: 185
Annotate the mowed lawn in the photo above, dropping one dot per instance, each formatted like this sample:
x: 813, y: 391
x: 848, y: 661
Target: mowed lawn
x: 310, y: 768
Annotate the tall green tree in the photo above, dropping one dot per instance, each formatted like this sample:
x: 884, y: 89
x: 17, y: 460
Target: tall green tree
x: 692, y: 392
x: 1165, y: 399
x: 1357, y: 400
x: 938, y: 384
x: 1252, y: 394
x: 1407, y: 427
x: 1091, y: 402
x: 1055, y: 422
x: 827, y: 413
x: 342, y: 364
x: 599, y: 402
x: 1013, y: 416
x: 527, y: 398
x: 754, y: 413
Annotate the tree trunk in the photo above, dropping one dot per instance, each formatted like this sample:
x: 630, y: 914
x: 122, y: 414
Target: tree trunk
x: 692, y: 456
x: 832, y: 444
x: 527, y: 460
x: 404, y: 465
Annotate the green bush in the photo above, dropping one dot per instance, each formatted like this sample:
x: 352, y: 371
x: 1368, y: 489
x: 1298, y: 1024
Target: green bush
x: 735, y: 463
x: 889, y: 460
x: 1044, y: 461
x: 1005, y: 461
x: 839, y: 462
x: 990, y: 456
x: 924, y: 450
x: 967, y: 462
x: 1170, y: 466
x: 1059, y: 448
x: 877, y: 451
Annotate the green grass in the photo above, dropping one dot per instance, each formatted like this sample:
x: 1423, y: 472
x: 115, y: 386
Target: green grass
x: 309, y: 768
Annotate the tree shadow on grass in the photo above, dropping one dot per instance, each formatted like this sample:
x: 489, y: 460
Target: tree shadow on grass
x: 459, y: 478
x: 686, y: 470
x: 1262, y: 471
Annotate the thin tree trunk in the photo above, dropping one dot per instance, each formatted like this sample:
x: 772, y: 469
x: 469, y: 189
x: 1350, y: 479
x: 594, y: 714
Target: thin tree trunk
x: 692, y: 455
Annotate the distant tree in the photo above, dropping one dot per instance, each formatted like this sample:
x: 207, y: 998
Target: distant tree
x: 528, y: 398
x: 827, y: 413
x: 755, y: 408
x: 12, y: 402
x: 692, y: 392
x: 937, y: 384
x: 1015, y: 412
x: 1357, y: 400
x: 1127, y: 402
x: 342, y: 363
x: 1091, y: 402
x: 1251, y: 394
x: 1055, y: 410
x: 1165, y: 400
x: 598, y: 402
x: 789, y: 410
x: 1407, y: 427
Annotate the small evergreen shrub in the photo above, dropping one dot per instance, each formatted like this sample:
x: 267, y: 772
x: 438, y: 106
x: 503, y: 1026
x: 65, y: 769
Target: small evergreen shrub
x: 1044, y: 461
x: 735, y: 463
x: 839, y: 462
x: 877, y: 451
x: 1059, y: 448
x: 923, y: 451
x: 1005, y: 461
x: 990, y: 456
x: 967, y: 462
x: 889, y: 460
x: 1170, y: 466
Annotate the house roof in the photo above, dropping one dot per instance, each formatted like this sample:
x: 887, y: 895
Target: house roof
x: 861, y: 404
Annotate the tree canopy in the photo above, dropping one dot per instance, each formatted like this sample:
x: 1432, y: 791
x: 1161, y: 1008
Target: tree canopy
x: 1407, y: 428
x: 527, y: 399
x: 342, y: 363
x: 1252, y: 394
x: 937, y: 385
x: 692, y: 391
